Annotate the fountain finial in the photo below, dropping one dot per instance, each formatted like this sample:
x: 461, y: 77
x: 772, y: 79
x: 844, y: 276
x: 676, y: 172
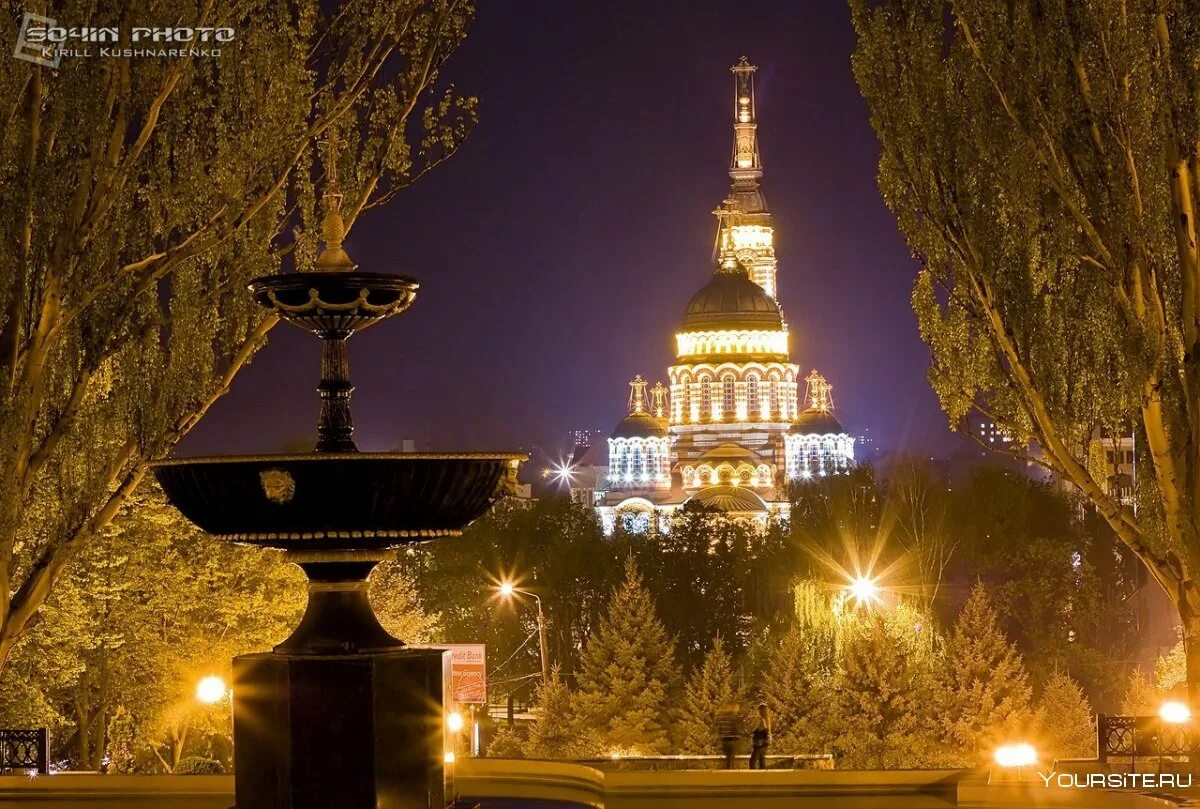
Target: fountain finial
x: 333, y: 229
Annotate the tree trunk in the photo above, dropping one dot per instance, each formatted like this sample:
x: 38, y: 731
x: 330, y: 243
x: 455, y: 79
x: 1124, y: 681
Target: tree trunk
x: 99, y: 745
x: 83, y: 737
x: 1191, y: 650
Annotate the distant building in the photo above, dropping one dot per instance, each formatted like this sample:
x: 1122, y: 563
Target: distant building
x: 992, y: 434
x: 865, y: 448
x: 731, y: 431
x: 582, y: 437
x: 1112, y: 459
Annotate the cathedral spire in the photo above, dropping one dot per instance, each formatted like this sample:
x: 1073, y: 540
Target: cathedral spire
x: 746, y: 168
x: 744, y: 231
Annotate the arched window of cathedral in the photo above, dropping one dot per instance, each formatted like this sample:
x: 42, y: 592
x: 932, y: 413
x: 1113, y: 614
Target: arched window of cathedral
x: 728, y: 397
x: 705, y: 399
x: 773, y: 389
x: 754, y: 404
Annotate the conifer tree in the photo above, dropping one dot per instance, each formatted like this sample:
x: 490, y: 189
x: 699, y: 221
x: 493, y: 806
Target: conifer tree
x: 628, y: 679
x: 796, y: 687
x: 1140, y: 696
x: 552, y: 735
x: 882, y: 696
x: 983, y: 691
x: 1064, y: 718
x: 711, y: 687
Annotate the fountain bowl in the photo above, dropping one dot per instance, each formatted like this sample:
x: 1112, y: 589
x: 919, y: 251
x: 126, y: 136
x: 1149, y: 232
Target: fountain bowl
x: 326, y: 502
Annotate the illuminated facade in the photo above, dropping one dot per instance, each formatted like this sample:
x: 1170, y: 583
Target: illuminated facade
x: 730, y: 430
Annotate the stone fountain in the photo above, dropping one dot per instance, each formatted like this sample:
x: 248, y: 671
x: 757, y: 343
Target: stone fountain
x: 341, y: 714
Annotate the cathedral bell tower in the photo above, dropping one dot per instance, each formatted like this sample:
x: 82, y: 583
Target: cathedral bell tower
x: 745, y: 232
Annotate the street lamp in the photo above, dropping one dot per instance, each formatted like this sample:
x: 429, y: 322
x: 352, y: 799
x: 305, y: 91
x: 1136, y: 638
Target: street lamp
x: 507, y: 590
x: 211, y: 689
x: 1174, y: 712
x: 864, y: 590
x: 1016, y: 755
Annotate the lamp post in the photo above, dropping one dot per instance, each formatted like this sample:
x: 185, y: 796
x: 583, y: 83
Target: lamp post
x: 507, y: 590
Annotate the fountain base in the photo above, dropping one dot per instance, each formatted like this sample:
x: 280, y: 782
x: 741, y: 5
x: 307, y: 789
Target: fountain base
x: 341, y: 731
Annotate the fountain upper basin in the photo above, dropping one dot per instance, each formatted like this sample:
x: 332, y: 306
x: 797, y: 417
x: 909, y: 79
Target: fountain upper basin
x: 336, y: 501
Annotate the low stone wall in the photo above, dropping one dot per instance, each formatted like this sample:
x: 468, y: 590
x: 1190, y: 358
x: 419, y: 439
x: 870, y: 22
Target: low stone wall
x: 706, y: 789
x: 116, y: 791
x: 565, y: 784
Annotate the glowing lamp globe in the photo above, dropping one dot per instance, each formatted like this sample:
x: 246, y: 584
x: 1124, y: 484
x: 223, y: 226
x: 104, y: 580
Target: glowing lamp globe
x: 506, y: 589
x: 1174, y: 712
x: 864, y: 590
x: 1015, y: 755
x: 211, y: 689
x: 454, y: 721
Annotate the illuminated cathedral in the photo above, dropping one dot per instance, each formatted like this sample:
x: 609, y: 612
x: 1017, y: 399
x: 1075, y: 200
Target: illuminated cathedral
x: 730, y: 430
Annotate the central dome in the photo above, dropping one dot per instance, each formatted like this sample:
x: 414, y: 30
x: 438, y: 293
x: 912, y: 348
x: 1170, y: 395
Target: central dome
x: 730, y: 300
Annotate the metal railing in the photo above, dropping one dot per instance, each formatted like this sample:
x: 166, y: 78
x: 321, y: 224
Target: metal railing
x: 27, y: 750
x: 1142, y: 737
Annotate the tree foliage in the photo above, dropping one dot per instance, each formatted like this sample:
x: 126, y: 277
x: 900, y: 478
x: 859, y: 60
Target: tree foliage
x: 553, y: 733
x: 1043, y: 162
x: 140, y: 615
x: 140, y: 195
x: 628, y: 680
x: 711, y: 687
x: 1066, y: 728
x: 885, y: 718
x: 552, y: 548
x: 983, y: 693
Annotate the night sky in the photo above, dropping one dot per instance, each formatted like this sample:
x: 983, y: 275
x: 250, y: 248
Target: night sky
x: 558, y: 249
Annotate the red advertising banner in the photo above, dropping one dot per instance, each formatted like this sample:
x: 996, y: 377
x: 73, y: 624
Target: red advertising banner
x: 468, y: 672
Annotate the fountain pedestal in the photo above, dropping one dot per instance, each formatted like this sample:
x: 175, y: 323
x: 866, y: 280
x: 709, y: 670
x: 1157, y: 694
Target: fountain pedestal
x: 376, y: 707
x: 329, y: 731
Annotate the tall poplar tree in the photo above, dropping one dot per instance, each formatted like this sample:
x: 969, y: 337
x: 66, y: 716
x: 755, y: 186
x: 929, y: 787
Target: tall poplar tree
x: 1043, y: 162
x: 629, y: 681
x: 138, y: 197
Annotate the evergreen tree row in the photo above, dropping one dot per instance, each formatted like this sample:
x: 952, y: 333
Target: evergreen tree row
x: 877, y: 687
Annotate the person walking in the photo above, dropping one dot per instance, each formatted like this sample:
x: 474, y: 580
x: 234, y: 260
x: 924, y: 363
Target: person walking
x: 729, y: 729
x: 760, y: 739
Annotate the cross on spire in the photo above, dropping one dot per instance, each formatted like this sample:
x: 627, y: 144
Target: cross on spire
x: 637, y: 395
x: 820, y: 392
x: 659, y: 395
